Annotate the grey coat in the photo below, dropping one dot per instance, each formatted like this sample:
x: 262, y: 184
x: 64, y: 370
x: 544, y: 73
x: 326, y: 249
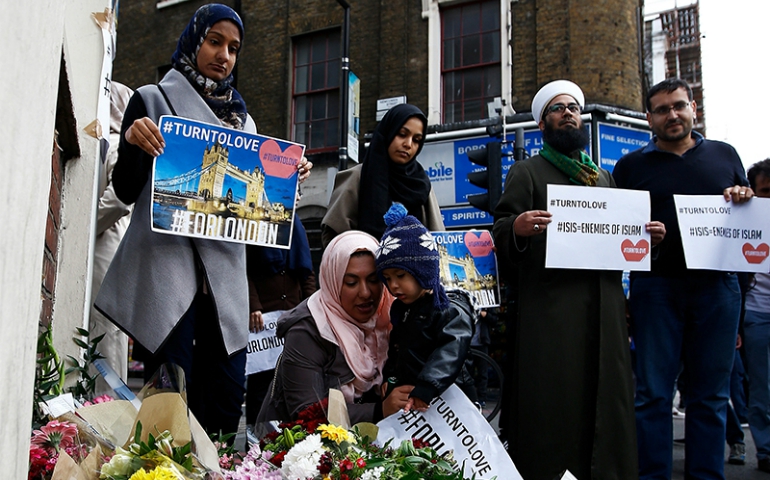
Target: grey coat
x: 153, y: 277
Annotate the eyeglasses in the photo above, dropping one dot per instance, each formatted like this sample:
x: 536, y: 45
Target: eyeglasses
x: 664, y: 109
x: 560, y: 107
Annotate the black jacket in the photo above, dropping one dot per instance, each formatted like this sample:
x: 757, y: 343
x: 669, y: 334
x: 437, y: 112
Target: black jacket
x: 428, y: 347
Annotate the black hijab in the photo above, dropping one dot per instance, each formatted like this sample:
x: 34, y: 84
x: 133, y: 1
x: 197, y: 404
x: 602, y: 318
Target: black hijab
x: 384, y: 181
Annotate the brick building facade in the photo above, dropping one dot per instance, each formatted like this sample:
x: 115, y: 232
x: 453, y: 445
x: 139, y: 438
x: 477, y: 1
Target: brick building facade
x: 433, y: 52
x: 592, y: 42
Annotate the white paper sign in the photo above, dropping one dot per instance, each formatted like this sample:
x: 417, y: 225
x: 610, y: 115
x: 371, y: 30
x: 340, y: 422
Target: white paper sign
x: 719, y: 235
x: 264, y: 347
x: 598, y: 228
x: 453, y: 423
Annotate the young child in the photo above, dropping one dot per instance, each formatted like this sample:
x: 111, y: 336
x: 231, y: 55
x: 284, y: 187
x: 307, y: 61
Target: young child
x: 432, y: 331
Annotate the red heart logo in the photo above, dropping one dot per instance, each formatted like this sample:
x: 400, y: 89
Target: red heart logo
x: 478, y: 245
x: 279, y: 163
x: 755, y: 255
x: 635, y: 253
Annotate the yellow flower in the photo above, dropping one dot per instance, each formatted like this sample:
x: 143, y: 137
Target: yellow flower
x: 158, y: 473
x: 335, y: 433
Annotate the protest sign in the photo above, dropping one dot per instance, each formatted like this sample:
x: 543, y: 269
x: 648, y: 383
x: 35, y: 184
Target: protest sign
x: 222, y: 184
x: 727, y: 236
x: 453, y: 423
x: 467, y: 262
x: 598, y: 228
x: 264, y: 347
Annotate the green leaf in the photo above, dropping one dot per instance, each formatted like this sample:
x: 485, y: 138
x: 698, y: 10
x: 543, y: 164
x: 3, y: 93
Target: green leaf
x: 80, y: 343
x: 138, y: 434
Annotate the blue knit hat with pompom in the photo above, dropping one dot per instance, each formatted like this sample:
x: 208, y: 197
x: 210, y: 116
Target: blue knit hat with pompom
x: 408, y: 245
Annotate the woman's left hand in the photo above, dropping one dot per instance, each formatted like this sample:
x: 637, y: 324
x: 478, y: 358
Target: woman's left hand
x: 304, y: 168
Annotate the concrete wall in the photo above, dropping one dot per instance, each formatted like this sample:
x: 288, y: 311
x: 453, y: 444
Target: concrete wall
x: 83, y: 53
x: 34, y: 41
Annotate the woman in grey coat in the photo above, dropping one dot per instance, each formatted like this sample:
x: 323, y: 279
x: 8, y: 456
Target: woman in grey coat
x: 184, y: 300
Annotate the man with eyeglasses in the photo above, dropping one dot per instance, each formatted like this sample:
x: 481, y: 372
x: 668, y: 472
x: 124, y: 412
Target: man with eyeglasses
x: 675, y: 312
x: 570, y: 367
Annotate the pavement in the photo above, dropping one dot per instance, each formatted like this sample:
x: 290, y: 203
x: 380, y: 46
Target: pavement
x: 732, y: 472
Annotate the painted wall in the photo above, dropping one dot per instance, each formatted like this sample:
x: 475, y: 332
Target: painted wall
x: 34, y: 41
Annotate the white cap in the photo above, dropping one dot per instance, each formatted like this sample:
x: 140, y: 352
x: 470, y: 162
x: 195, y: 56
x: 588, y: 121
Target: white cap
x: 553, y: 90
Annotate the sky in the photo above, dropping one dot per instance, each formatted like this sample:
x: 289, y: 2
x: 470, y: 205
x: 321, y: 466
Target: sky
x: 735, y: 67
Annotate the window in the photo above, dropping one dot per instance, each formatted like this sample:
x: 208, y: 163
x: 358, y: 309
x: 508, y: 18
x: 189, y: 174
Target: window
x: 316, y: 91
x: 470, y: 60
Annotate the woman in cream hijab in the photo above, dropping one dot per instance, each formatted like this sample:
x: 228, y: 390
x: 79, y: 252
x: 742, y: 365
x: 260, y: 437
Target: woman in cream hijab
x: 338, y: 338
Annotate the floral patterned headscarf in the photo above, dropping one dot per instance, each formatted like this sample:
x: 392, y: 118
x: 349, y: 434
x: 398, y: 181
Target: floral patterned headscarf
x: 226, y: 103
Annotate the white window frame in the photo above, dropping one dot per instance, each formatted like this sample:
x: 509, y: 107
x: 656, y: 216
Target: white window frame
x: 431, y: 11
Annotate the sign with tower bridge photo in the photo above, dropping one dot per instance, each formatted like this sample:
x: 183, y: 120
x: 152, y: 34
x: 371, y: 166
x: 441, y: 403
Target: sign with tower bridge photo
x: 222, y: 184
x: 467, y: 262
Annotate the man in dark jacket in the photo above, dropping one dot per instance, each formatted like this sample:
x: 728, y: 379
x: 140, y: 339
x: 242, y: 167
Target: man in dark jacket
x: 677, y: 312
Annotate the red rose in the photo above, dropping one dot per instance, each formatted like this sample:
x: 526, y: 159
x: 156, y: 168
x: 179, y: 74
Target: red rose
x: 360, y: 463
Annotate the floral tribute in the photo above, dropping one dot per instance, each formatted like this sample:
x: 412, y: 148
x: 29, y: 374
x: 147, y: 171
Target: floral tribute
x: 311, y: 448
x: 46, y: 445
x: 156, y: 459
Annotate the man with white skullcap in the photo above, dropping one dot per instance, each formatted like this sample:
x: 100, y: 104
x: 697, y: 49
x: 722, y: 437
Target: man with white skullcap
x: 679, y: 313
x: 572, y: 402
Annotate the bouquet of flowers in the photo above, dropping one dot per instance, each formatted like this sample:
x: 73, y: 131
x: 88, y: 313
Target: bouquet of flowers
x: 155, y: 459
x: 311, y: 448
x: 48, y: 442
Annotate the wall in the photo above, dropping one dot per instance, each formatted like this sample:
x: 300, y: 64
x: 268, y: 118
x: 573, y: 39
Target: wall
x: 35, y: 41
x: 593, y: 43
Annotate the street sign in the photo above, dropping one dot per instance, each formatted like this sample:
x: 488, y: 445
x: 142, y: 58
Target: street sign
x: 616, y: 141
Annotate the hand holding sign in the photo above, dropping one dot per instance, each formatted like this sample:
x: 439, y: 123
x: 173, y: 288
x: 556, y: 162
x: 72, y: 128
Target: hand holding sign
x: 738, y: 194
x: 531, y: 223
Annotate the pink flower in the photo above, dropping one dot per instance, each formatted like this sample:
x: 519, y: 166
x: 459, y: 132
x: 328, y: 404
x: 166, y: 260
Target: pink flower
x: 226, y: 461
x: 100, y: 399
x: 55, y: 435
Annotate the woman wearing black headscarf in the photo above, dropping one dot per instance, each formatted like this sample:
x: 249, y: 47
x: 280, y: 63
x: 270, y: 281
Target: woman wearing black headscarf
x: 389, y: 173
x: 184, y: 300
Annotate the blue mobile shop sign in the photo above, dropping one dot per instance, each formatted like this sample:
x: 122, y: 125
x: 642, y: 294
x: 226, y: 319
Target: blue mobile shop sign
x: 447, y: 165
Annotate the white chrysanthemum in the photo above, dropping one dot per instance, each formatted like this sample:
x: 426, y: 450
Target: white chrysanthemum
x: 373, y: 474
x: 388, y: 245
x: 426, y: 240
x: 301, y: 461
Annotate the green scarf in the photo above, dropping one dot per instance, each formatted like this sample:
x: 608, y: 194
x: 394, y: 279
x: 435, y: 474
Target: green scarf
x: 582, y: 171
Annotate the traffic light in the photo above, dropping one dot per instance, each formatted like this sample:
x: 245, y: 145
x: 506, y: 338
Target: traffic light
x: 490, y: 179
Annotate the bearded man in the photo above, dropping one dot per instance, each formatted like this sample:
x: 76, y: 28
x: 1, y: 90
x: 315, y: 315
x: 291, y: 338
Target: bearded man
x: 572, y: 394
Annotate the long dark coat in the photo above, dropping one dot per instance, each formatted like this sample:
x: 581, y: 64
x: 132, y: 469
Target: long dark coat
x: 572, y: 392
